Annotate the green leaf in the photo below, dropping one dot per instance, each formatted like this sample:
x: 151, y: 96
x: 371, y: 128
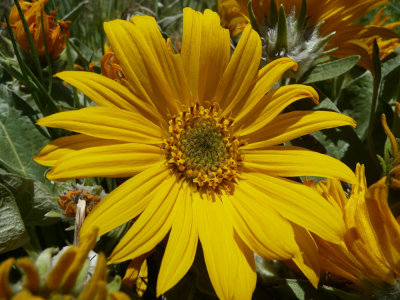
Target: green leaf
x: 19, y: 142
x: 33, y: 198
x: 359, y: 91
x: 330, y: 69
x: 12, y: 230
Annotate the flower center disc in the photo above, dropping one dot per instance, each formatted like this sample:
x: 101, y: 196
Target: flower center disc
x: 202, y: 148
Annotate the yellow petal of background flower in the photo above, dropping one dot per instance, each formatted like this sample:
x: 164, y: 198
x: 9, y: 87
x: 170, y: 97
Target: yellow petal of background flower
x: 121, y: 160
x: 291, y: 125
x: 230, y: 264
x: 146, y: 77
x: 297, y: 203
x: 273, y: 104
x: 182, y: 244
x: 63, y: 146
x: 273, y: 239
x: 205, y: 52
x: 387, y: 229
x: 288, y: 161
x: 106, y: 123
x: 107, y: 92
x: 152, y: 225
x: 125, y: 202
x: 241, y: 73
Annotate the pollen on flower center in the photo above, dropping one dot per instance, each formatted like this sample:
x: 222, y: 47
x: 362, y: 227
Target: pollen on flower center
x: 202, y: 148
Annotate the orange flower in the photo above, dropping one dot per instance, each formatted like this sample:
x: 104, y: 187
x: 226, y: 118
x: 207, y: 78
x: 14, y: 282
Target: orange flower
x: 33, y: 12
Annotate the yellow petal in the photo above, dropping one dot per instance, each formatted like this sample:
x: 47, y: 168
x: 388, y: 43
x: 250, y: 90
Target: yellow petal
x: 182, y: 244
x: 288, y: 161
x: 31, y: 276
x: 229, y: 262
x: 205, y: 52
x: 121, y: 160
x: 274, y: 240
x: 171, y: 65
x: 307, y: 258
x: 297, y: 203
x: 54, y: 151
x: 107, y: 92
x: 267, y: 77
x: 291, y: 125
x: 5, y: 268
x: 125, y: 202
x: 241, y: 73
x: 106, y: 123
x: 141, y: 61
x: 56, y: 275
x: 273, y: 104
x: 152, y: 225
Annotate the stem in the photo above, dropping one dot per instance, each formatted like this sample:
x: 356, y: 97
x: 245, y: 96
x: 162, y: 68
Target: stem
x: 377, y: 81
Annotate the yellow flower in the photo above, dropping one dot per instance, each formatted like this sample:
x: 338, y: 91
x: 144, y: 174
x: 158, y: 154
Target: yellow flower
x: 370, y: 250
x: 53, y: 35
x: 64, y: 280
x: 201, y: 139
x: 322, y: 19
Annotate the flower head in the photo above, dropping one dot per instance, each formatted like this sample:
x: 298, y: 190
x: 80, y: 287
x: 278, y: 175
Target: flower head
x: 302, y: 29
x: 200, y: 138
x: 64, y: 279
x: 370, y: 250
x: 33, y: 13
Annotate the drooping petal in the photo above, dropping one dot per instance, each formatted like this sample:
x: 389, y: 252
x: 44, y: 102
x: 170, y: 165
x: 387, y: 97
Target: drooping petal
x: 307, y: 258
x: 54, y: 151
x: 126, y: 202
x: 147, y: 76
x: 107, y: 92
x: 182, y: 243
x: 121, y: 160
x: 288, y: 161
x: 241, y: 73
x: 273, y: 104
x: 291, y: 125
x: 106, y: 123
x: 297, y: 203
x: 248, y: 213
x: 152, y: 225
x: 229, y: 262
x: 205, y: 52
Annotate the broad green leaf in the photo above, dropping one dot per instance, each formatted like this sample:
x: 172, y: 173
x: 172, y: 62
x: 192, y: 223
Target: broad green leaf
x: 33, y: 199
x: 330, y: 69
x: 355, y: 100
x: 12, y: 230
x: 19, y: 142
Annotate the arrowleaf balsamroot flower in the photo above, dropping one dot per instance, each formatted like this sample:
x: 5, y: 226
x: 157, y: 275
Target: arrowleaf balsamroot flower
x: 370, y: 250
x: 308, y: 24
x: 200, y: 139
x: 53, y: 34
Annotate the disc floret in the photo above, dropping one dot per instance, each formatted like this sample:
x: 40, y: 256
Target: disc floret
x: 202, y: 148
